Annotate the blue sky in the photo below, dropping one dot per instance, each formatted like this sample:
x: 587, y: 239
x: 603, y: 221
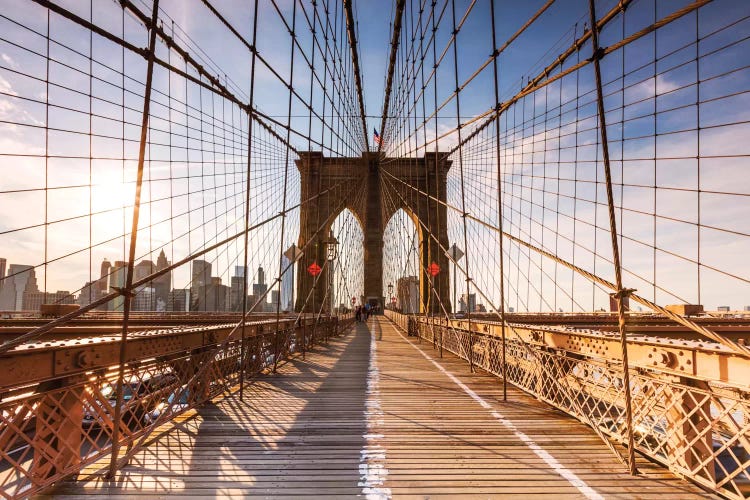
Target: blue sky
x: 209, y: 165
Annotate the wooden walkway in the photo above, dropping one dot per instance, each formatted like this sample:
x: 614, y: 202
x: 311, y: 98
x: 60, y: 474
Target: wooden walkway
x: 379, y: 418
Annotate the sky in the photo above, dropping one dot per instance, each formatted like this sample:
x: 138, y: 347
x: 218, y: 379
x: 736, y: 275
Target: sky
x: 197, y: 153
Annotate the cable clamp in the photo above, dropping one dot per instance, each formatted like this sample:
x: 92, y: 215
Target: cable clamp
x: 124, y: 292
x: 624, y: 293
x: 598, y: 54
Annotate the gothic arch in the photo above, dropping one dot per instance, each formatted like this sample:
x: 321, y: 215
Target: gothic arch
x: 355, y: 184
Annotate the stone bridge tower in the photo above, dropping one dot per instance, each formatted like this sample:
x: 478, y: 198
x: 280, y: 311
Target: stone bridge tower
x: 373, y: 188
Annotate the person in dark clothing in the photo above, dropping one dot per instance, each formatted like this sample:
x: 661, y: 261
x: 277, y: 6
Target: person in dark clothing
x: 358, y: 313
x: 367, y: 311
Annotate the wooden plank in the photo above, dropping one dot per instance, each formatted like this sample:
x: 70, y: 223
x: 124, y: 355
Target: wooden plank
x: 328, y: 425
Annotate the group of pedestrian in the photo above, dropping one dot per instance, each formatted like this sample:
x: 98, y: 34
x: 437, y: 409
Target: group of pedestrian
x: 363, y: 313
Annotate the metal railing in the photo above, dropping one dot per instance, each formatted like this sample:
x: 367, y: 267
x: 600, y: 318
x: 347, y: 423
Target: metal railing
x: 691, y: 401
x: 56, y: 419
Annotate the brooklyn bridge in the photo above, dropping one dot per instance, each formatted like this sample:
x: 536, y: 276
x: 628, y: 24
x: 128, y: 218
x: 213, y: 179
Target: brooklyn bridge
x: 338, y: 248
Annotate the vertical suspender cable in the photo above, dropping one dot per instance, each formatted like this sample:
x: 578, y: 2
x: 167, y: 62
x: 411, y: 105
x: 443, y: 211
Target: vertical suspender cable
x: 286, y: 182
x: 243, y: 347
x: 470, y: 353
x: 127, y: 291
x: 499, y: 201
x: 621, y: 293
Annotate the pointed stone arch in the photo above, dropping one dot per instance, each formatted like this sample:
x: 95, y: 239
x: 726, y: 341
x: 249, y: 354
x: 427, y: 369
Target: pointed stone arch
x: 326, y: 176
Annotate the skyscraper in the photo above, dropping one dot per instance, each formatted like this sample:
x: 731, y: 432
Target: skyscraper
x: 287, y: 285
x: 104, y: 271
x: 94, y: 290
x: 201, y: 278
x: 259, y: 289
x: 117, y: 278
x: 201, y: 272
x: 467, y: 305
x: 163, y: 284
x: 19, y: 280
x: 261, y: 276
x: 212, y: 297
x: 237, y: 283
x: 2, y: 272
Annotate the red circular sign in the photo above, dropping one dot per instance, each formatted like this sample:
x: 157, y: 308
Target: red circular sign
x: 314, y: 269
x: 354, y: 299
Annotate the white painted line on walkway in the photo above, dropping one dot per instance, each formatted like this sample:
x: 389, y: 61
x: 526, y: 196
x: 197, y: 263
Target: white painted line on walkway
x: 561, y: 470
x: 372, y: 470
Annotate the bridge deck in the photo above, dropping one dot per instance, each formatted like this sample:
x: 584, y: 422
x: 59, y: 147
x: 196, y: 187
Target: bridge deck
x: 399, y: 422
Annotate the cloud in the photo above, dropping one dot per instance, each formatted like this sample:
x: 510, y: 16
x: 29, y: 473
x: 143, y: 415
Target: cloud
x: 8, y: 60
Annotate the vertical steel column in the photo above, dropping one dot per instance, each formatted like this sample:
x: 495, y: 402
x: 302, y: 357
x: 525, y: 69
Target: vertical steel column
x: 243, y: 348
x: 622, y: 293
x: 127, y: 291
x: 495, y: 54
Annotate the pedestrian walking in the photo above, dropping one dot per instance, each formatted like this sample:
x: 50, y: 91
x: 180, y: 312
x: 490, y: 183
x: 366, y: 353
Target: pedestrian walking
x: 367, y: 310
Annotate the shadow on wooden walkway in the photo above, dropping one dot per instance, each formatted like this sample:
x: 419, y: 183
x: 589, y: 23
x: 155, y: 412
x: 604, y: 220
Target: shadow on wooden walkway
x: 376, y: 415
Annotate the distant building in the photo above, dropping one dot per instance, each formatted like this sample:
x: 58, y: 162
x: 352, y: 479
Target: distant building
x: 407, y: 294
x: 145, y: 300
x: 251, y: 300
x: 32, y: 301
x: 613, y: 303
x: 95, y: 290
x: 104, y: 271
x: 287, y: 285
x: 117, y: 278
x: 237, y: 289
x: 747, y: 308
x: 199, y: 281
x: 259, y: 289
x: 211, y: 297
x: 468, y: 305
x: 179, y: 300
x: 723, y: 308
x: 275, y: 300
x: 162, y: 284
x: 19, y: 280
x: 201, y: 272
x: 89, y: 293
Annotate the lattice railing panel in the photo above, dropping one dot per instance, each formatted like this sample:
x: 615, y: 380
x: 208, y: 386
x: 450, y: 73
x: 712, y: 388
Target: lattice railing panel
x: 50, y: 430
x: 697, y: 428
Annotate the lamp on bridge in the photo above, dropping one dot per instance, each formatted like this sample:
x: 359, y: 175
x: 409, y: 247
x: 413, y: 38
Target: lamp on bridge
x: 390, y: 293
x: 332, y: 253
x: 332, y: 247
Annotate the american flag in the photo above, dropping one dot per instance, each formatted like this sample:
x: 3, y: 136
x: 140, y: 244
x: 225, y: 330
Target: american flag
x: 376, y: 137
